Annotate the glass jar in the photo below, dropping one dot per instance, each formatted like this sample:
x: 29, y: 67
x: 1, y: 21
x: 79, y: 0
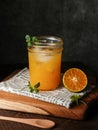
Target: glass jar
x: 45, y: 62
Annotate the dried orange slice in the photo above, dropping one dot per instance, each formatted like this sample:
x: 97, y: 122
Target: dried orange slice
x: 75, y: 80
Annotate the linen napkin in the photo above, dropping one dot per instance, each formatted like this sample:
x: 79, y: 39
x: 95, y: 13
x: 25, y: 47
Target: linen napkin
x: 60, y: 96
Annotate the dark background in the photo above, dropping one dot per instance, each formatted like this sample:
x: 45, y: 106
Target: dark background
x: 76, y: 21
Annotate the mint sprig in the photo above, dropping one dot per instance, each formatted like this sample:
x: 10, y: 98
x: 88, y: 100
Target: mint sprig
x: 33, y: 88
x: 29, y: 40
x: 75, y: 98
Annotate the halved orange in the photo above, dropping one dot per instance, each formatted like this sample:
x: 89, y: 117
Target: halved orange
x: 75, y: 80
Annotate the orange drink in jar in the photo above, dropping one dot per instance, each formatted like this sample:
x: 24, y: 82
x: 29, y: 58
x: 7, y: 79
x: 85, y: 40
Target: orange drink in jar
x: 45, y: 62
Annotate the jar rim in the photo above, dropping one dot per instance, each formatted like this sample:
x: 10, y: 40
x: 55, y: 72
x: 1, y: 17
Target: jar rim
x: 48, y: 41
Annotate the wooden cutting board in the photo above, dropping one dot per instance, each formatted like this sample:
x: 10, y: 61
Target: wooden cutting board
x: 21, y: 103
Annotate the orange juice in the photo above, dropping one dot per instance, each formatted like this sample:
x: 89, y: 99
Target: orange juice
x: 45, y: 63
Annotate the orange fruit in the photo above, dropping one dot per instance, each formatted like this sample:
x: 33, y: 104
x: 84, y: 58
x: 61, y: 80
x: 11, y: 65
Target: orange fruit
x: 75, y: 80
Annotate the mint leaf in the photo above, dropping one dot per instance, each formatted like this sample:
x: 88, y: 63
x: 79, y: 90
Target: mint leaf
x: 35, y: 39
x: 29, y: 44
x: 37, y: 85
x: 27, y: 37
x: 31, y: 89
x: 36, y: 91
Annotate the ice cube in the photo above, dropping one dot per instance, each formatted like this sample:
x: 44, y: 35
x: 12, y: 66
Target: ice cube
x: 42, y: 54
x: 43, y: 57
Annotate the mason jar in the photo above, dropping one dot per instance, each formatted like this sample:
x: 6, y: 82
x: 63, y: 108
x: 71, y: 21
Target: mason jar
x: 45, y: 62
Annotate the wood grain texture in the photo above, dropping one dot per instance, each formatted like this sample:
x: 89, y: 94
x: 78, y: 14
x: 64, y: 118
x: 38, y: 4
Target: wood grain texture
x: 21, y: 103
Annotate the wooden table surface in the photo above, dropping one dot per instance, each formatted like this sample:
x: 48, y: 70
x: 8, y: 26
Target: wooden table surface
x: 91, y: 122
